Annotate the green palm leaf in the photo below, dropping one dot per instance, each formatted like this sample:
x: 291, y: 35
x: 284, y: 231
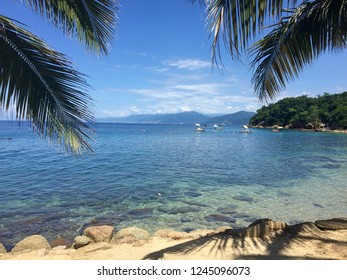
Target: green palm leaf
x: 310, y: 29
x: 93, y: 21
x: 236, y: 22
x: 44, y: 88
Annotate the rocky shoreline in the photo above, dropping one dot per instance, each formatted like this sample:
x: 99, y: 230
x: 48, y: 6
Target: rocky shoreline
x: 327, y: 239
x: 301, y: 129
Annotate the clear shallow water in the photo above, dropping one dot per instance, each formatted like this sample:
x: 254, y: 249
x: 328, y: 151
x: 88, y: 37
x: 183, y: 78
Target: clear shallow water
x: 205, y: 180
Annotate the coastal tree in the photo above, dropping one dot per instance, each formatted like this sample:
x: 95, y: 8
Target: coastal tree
x: 41, y: 84
x: 305, y: 112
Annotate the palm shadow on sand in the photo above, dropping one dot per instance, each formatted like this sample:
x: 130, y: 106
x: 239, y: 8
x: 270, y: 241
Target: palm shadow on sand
x: 230, y: 244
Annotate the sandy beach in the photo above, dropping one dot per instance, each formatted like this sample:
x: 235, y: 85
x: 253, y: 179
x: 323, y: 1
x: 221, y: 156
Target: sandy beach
x: 263, y: 239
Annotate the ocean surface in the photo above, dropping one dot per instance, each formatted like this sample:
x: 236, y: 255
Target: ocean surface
x: 168, y: 176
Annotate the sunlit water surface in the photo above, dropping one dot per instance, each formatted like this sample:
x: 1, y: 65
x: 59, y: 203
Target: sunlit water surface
x: 168, y: 176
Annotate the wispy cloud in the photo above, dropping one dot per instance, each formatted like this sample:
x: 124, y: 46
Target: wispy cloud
x: 189, y: 64
x: 138, y: 53
x: 170, y: 89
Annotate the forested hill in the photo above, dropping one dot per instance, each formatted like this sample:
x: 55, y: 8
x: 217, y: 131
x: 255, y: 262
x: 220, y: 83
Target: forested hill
x: 324, y: 111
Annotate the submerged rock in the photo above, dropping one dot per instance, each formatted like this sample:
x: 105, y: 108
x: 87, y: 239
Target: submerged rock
x: 226, y: 210
x: 184, y: 209
x: 243, y: 198
x: 99, y: 233
x: 197, y: 203
x: 331, y: 166
x: 33, y: 242
x: 317, y: 205
x: 186, y: 220
x: 242, y: 216
x: 141, y: 212
x: 219, y: 218
x: 332, y: 224
x: 193, y: 194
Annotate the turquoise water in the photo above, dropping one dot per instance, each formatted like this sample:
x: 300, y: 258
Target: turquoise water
x: 205, y: 180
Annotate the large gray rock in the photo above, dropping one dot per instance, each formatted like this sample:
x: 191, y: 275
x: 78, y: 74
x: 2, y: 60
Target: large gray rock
x: 33, y: 242
x: 332, y: 224
x: 2, y: 249
x: 99, y: 233
x: 130, y: 235
x: 81, y: 241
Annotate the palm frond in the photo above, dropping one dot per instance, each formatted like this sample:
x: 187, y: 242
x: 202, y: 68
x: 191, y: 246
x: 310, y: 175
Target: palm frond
x: 312, y: 28
x: 236, y: 23
x: 93, y: 21
x: 44, y: 88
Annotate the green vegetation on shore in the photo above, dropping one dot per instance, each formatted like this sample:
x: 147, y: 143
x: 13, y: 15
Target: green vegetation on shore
x: 324, y: 111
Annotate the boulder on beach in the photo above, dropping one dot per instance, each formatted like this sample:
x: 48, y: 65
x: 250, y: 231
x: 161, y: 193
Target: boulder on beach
x: 332, y: 224
x: 171, y: 234
x: 60, y: 241
x: 99, y: 233
x: 130, y: 235
x: 2, y: 249
x: 263, y: 227
x: 33, y: 242
x: 81, y: 241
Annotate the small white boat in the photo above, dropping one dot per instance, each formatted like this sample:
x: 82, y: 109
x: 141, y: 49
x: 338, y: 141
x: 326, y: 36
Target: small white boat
x: 277, y: 128
x: 217, y: 127
x: 198, y: 128
x: 245, y: 129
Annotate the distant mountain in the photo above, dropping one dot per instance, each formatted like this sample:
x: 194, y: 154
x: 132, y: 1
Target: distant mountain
x: 177, y: 118
x: 238, y: 118
x: 191, y: 117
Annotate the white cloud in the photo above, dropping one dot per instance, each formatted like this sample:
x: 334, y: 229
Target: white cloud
x: 189, y: 64
x: 172, y: 90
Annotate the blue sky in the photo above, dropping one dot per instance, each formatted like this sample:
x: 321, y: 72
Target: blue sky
x: 160, y: 62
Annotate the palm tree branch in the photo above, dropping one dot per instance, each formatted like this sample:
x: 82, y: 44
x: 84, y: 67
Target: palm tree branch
x: 239, y: 21
x: 312, y: 28
x: 44, y: 88
x: 93, y: 21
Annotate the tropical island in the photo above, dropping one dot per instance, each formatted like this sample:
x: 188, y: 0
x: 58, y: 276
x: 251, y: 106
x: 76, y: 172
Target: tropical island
x: 322, y: 113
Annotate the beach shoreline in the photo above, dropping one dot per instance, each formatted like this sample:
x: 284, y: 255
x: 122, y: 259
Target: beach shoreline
x: 262, y: 239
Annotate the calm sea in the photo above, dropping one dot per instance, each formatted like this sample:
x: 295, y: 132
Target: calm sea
x: 168, y: 176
